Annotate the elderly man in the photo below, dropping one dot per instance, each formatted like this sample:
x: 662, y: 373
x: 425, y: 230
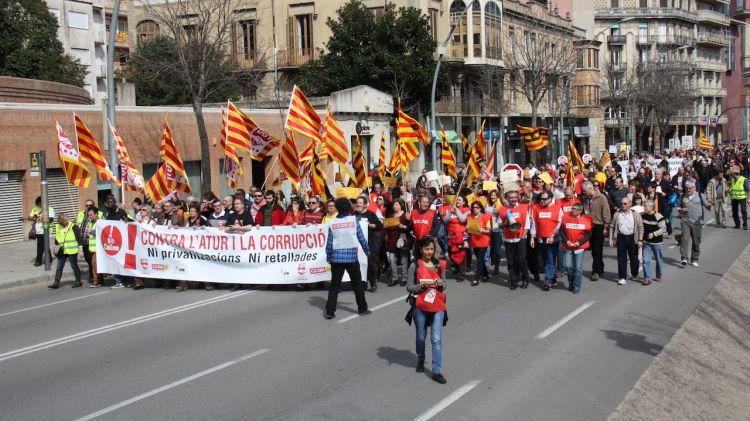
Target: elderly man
x: 597, y: 207
x: 691, y: 212
x: 627, y: 233
x: 654, y: 228
x: 718, y: 193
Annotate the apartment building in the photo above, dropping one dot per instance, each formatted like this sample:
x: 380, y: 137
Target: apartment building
x: 84, y: 32
x: 736, y: 104
x: 634, y: 33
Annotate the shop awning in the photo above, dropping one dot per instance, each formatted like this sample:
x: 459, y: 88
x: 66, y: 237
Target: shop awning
x: 452, y: 136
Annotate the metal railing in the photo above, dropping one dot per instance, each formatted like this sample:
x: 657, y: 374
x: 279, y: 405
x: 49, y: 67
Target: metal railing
x: 617, y: 39
x: 713, y: 38
x: 646, y: 12
x: 708, y: 15
x: 296, y: 57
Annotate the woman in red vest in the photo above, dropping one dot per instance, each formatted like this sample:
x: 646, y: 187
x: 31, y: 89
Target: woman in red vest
x: 455, y: 222
x: 575, y: 232
x: 480, y: 240
x: 429, y: 309
x: 425, y: 221
x: 296, y: 213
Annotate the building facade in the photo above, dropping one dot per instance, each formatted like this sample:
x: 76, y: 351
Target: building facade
x: 84, y: 32
x: 737, y: 81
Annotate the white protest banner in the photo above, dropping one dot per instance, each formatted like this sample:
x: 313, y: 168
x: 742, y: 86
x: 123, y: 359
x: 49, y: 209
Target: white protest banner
x: 268, y: 255
x: 674, y: 164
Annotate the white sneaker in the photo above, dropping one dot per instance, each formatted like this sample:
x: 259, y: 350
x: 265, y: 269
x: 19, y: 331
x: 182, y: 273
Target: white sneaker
x: 694, y: 264
x: 621, y: 282
x: 117, y: 286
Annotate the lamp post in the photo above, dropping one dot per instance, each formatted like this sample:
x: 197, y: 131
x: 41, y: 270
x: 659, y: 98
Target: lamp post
x: 111, y: 90
x: 441, y: 53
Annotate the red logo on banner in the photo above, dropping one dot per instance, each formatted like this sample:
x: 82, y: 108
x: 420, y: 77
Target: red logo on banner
x: 144, y: 264
x: 301, y: 269
x: 111, y: 240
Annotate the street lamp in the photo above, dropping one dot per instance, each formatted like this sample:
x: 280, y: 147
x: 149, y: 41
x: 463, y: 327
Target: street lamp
x: 441, y: 53
x: 111, y: 90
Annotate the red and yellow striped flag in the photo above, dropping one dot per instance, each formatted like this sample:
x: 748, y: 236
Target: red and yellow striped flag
x: 575, y: 156
x: 466, y: 146
x: 381, y: 156
x: 446, y: 156
x: 289, y: 160
x: 605, y: 159
x: 570, y: 176
x: 302, y: 117
x: 394, y: 164
x: 317, y: 179
x: 534, y: 138
x: 159, y: 186
x: 168, y: 152
x: 130, y: 177
x: 307, y: 152
x: 261, y: 142
x: 238, y: 137
x: 334, y: 144
x: 232, y: 167
x: 489, y: 167
x: 704, y: 142
x: 409, y: 130
x: 76, y: 173
x: 92, y: 153
x: 359, y: 165
x: 473, y: 169
x: 480, y: 144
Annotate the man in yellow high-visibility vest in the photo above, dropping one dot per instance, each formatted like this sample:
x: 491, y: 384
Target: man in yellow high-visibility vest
x: 740, y: 186
x: 68, y: 240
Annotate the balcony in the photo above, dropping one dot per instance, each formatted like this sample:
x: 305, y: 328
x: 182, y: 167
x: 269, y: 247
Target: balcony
x: 250, y: 60
x: 711, y: 92
x: 295, y: 57
x: 711, y: 38
x: 645, y: 12
x: 644, y: 40
x: 456, y: 52
x: 121, y: 39
x: 711, y: 16
x: 710, y: 65
x: 617, y: 39
x: 675, y: 40
x: 453, y: 105
x: 619, y: 67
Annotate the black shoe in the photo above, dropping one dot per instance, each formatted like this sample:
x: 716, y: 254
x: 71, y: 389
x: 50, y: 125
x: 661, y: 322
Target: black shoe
x: 439, y: 378
x: 392, y: 283
x: 524, y: 284
x: 403, y: 283
x: 576, y: 291
x: 77, y: 284
x: 137, y: 287
x: 37, y: 264
x: 474, y: 283
x: 420, y: 366
x: 327, y: 315
x: 365, y: 313
x: 513, y: 286
x: 546, y: 287
x: 485, y: 278
x: 571, y: 288
x: 374, y: 288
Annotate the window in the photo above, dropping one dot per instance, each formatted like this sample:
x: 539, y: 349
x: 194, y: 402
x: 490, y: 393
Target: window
x: 644, y: 3
x: 643, y: 55
x: 616, y: 58
x: 245, y: 47
x: 303, y: 27
x: 83, y: 55
x: 434, y: 23
x: 147, y: 30
x: 511, y: 39
x: 377, y: 11
x: 122, y: 24
x: 78, y: 20
x: 616, y: 84
x: 55, y: 13
x: 587, y: 95
x: 643, y: 33
x: 663, y: 3
x: 614, y: 4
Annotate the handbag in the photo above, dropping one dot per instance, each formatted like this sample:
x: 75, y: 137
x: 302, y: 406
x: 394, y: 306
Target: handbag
x: 412, y: 300
x: 401, y: 242
x: 32, y: 232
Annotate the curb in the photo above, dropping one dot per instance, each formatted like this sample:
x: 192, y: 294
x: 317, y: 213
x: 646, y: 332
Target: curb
x: 37, y: 279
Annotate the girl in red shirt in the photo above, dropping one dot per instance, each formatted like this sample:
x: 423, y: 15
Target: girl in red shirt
x: 480, y: 240
x: 455, y: 224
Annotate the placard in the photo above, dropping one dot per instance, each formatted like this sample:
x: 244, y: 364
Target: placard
x: 431, y: 176
x: 391, y: 222
x: 389, y: 182
x: 473, y: 226
x: 489, y: 185
x: 348, y: 192
x: 509, y: 180
x: 546, y: 178
x: 445, y: 180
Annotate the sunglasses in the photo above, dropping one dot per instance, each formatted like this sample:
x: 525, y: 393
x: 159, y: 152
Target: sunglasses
x: 313, y: 203
x: 258, y: 195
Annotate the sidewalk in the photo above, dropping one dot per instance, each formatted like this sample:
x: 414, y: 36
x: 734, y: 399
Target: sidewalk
x: 704, y: 371
x: 18, y: 266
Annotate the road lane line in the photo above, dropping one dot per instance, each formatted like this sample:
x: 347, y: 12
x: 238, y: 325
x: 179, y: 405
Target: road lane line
x: 115, y: 326
x: 172, y: 385
x: 566, y: 319
x: 377, y: 307
x: 456, y: 395
x: 51, y: 304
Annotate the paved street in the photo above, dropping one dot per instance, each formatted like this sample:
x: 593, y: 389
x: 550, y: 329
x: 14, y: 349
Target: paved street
x: 270, y: 355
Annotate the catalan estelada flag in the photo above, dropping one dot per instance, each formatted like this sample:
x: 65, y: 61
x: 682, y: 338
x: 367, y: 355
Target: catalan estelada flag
x: 261, y: 142
x: 236, y: 132
x: 334, y: 144
x: 289, y: 160
x: 534, y: 138
x: 302, y: 117
x: 381, y: 156
x: 76, y: 173
x: 360, y: 169
x: 409, y: 130
x: 704, y: 142
x: 92, y: 153
x: 446, y: 156
x: 159, y: 186
x: 168, y: 152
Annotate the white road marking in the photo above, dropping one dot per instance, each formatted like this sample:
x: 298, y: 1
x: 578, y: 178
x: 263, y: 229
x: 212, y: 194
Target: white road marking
x: 456, y: 395
x: 566, y: 319
x: 115, y: 326
x: 377, y: 307
x: 51, y: 304
x: 172, y: 385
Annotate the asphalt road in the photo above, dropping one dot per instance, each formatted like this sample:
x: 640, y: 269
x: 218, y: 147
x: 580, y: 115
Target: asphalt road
x: 270, y: 355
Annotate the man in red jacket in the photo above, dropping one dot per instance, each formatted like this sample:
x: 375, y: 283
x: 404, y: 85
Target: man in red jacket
x: 544, y: 235
x: 575, y: 232
x: 271, y: 213
x: 515, y: 239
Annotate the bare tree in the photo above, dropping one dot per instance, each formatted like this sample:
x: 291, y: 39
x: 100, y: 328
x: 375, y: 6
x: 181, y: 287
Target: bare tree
x: 619, y: 85
x: 204, y: 35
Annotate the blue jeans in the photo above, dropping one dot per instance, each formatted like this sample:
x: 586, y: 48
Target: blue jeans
x: 549, y: 253
x: 72, y: 258
x: 651, y: 251
x: 574, y: 267
x: 442, y: 239
x: 420, y: 321
x: 496, y: 243
x: 480, y: 253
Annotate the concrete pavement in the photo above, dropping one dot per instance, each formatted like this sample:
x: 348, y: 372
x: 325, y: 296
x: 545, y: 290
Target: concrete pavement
x: 155, y: 354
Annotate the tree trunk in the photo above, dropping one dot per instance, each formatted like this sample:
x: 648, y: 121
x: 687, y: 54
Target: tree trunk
x: 205, y: 150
